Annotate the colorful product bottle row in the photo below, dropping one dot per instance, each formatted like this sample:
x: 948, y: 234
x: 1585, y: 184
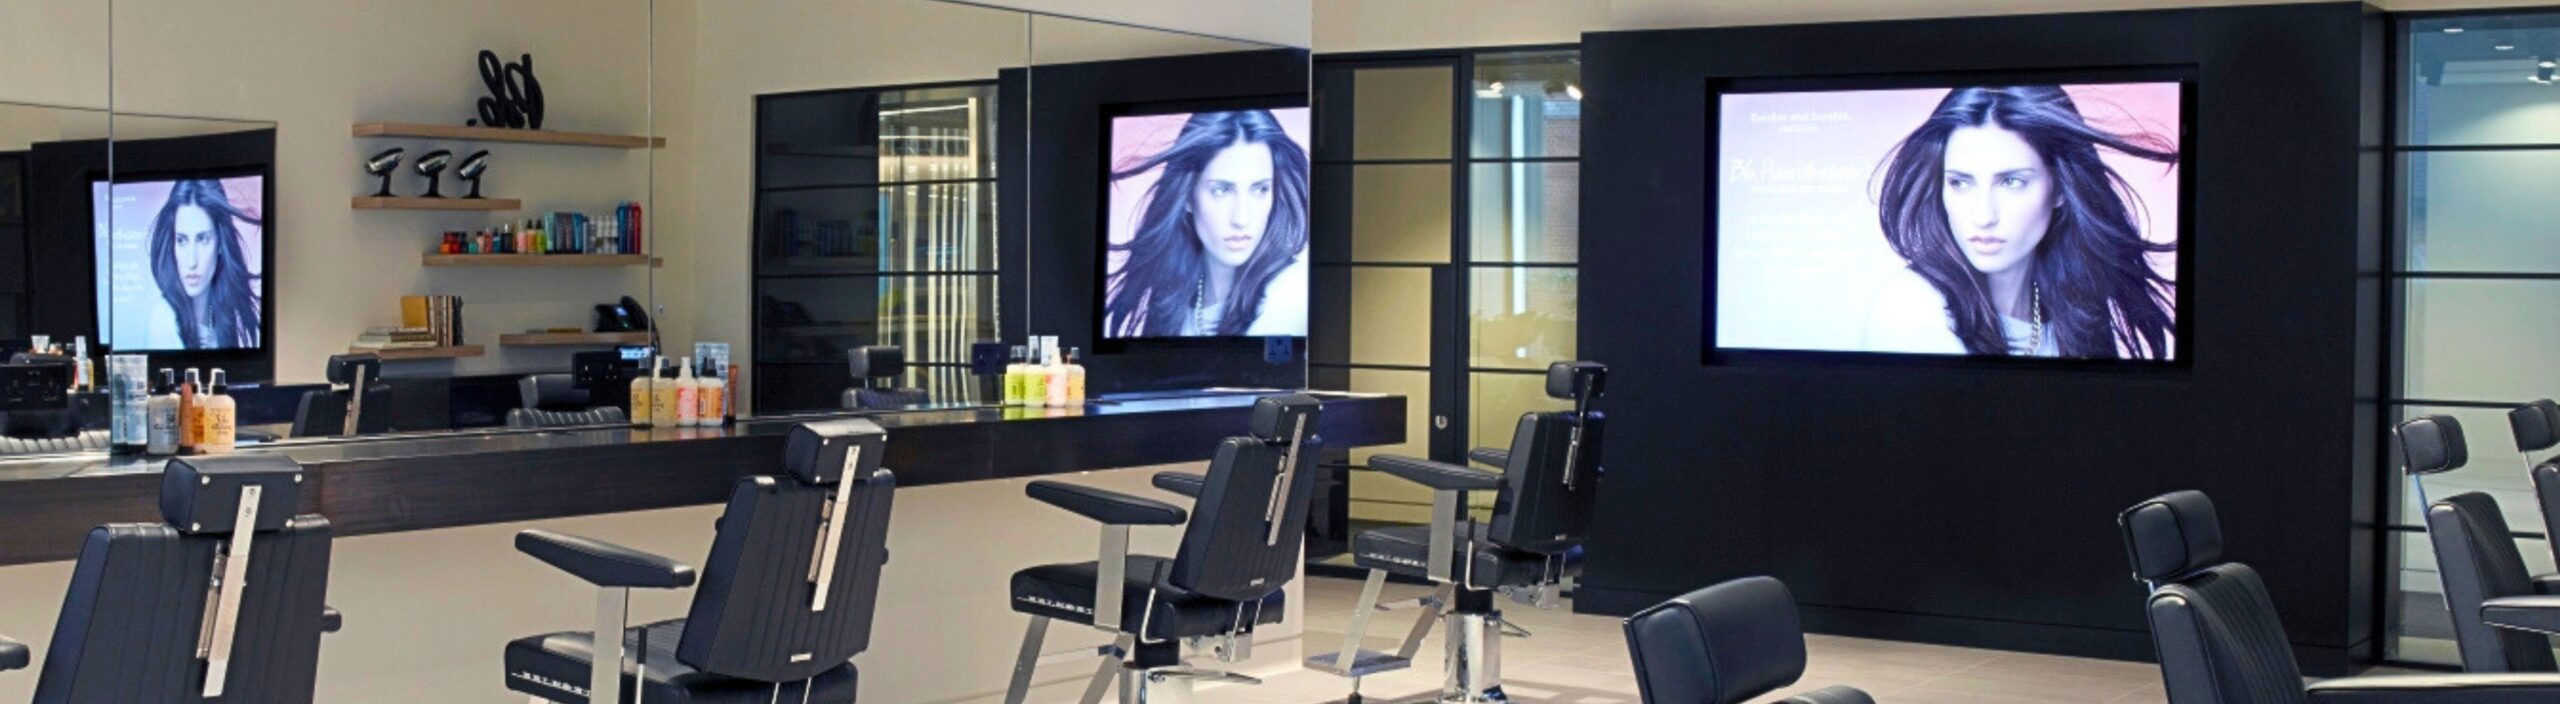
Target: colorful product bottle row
x: 191, y: 417
x: 678, y: 398
x: 620, y: 232
x: 1042, y: 376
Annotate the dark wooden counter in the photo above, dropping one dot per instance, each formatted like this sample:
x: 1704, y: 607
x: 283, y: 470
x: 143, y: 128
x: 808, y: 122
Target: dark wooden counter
x: 387, y: 485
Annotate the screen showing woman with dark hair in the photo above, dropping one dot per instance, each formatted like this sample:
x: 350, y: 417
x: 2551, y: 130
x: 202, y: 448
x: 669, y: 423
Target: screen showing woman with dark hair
x: 180, y: 264
x: 2001, y: 221
x: 1207, y: 234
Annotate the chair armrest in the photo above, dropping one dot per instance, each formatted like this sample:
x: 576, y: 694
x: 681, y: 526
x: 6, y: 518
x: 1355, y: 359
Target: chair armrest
x: 1495, y: 456
x: 2546, y: 584
x: 1437, y: 475
x: 1185, y: 483
x: 2540, y: 614
x: 330, y: 619
x: 1109, y: 507
x: 1830, y: 695
x: 13, y: 655
x: 604, y: 564
x: 2495, y: 688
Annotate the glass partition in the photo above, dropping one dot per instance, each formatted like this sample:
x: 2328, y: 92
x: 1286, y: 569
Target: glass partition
x: 54, y: 132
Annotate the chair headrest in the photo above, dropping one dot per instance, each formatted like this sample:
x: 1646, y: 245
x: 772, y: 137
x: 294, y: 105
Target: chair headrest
x: 1275, y: 416
x: 342, y: 368
x: 201, y: 495
x: 2431, y: 444
x: 1728, y: 643
x: 816, y: 451
x: 1575, y: 380
x: 552, y: 392
x: 876, y: 361
x: 2171, y: 534
x: 2536, y: 425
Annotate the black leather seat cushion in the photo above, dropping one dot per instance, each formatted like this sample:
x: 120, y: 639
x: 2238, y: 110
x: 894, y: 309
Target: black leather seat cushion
x: 1065, y: 592
x: 1406, y: 551
x: 543, y: 665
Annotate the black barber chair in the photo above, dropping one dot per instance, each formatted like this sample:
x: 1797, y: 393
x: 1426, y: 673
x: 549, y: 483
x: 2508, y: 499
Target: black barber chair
x: 1240, y: 547
x: 1724, y: 644
x: 2537, y: 428
x: 1541, y: 510
x: 555, y: 401
x: 875, y: 377
x: 2499, y: 622
x: 339, y: 410
x: 785, y: 601
x: 221, y: 603
x: 2220, y: 642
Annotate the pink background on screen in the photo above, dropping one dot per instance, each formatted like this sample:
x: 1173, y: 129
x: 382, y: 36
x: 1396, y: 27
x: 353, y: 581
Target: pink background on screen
x: 1800, y: 255
x: 1135, y: 138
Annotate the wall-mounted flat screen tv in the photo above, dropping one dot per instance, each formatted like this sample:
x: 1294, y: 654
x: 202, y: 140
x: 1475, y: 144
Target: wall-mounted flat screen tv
x: 181, y: 263
x: 1206, y: 224
x: 1987, y: 220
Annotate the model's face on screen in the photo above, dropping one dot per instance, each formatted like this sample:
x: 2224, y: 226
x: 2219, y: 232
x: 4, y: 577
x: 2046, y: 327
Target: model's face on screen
x: 194, y: 249
x: 1999, y: 196
x: 1231, y: 204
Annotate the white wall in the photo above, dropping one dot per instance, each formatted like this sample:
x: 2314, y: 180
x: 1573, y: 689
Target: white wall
x: 55, y: 52
x: 316, y: 67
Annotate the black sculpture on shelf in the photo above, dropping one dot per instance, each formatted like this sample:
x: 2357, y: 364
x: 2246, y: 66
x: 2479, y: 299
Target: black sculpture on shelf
x: 471, y: 169
x: 382, y: 165
x: 515, y: 96
x: 432, y: 167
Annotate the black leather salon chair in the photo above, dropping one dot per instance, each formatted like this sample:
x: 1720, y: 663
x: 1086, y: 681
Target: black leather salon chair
x: 2219, y: 640
x: 222, y: 602
x: 784, y: 604
x: 331, y: 412
x: 876, y: 370
x: 555, y: 401
x: 2537, y: 428
x: 1725, y: 644
x: 1541, y: 511
x: 2499, y: 623
x: 1241, y: 545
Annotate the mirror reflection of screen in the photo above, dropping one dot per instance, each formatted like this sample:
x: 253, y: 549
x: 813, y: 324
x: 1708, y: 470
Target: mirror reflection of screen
x: 180, y: 263
x: 1998, y: 221
x: 1207, y: 229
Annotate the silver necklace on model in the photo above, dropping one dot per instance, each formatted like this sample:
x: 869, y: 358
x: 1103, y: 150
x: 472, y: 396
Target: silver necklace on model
x: 1199, y: 313
x: 2035, y: 310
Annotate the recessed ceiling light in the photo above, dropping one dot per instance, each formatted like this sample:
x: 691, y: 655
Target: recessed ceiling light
x: 2547, y: 63
x: 1573, y: 91
x: 2502, y: 46
x: 2453, y: 30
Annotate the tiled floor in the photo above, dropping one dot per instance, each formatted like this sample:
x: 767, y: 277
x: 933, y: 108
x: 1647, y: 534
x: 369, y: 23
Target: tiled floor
x: 1582, y: 659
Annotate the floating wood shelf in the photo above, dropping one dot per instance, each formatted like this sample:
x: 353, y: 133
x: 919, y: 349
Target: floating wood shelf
x: 434, y: 259
x: 569, y: 339
x: 391, y: 354
x: 415, y: 203
x: 501, y: 134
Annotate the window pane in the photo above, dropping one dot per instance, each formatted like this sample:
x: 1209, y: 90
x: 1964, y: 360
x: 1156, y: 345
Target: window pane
x: 1391, y: 316
x: 2495, y: 469
x: 1525, y: 212
x: 938, y: 134
x: 2465, y: 89
x: 1399, y: 213
x: 1495, y: 402
x: 1401, y: 113
x: 2482, y: 211
x: 2473, y: 340
x: 817, y: 319
x: 2421, y: 629
x: 1528, y: 104
x: 1376, y: 496
x: 941, y: 227
x: 1522, y: 318
x: 818, y: 139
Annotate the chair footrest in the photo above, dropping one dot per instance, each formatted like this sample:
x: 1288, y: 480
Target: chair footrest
x: 1364, y: 663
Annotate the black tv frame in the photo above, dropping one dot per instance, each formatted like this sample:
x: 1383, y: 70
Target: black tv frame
x: 229, y: 358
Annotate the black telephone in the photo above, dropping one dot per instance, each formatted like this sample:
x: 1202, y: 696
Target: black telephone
x: 626, y: 316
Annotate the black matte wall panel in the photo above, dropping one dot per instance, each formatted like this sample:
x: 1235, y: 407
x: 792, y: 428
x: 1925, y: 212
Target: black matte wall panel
x: 1977, y: 505
x: 1065, y: 192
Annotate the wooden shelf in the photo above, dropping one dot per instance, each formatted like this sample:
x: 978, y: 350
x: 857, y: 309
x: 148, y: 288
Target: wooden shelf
x: 570, y: 339
x: 434, y: 259
x: 415, y: 203
x: 393, y: 354
x: 501, y: 134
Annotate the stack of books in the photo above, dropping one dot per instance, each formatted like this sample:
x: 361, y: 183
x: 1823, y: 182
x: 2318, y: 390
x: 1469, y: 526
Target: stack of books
x: 435, y: 321
x: 391, y: 338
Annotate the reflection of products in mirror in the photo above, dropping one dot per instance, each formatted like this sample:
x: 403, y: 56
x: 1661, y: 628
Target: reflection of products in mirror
x: 432, y: 166
x: 381, y: 165
x: 190, y: 407
x: 163, y: 416
x: 220, y: 416
x: 129, y: 427
x: 472, y: 168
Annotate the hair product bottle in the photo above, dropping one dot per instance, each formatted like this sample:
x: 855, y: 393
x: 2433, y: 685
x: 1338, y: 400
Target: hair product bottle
x: 129, y: 398
x: 1014, y: 371
x: 190, y: 398
x: 711, y: 398
x: 221, y: 417
x: 662, y: 398
x: 1035, y: 375
x: 84, y: 375
x: 688, y: 395
x: 1075, y: 377
x: 163, y: 416
x: 643, y: 388
x: 1056, y: 369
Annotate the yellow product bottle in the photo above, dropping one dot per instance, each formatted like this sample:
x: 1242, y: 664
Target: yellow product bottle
x: 1075, y: 377
x: 190, y: 407
x: 220, y: 416
x: 642, y: 390
x: 711, y: 402
x: 1055, y: 368
x: 662, y: 400
x: 688, y: 394
x: 1013, y: 378
x: 1035, y: 377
